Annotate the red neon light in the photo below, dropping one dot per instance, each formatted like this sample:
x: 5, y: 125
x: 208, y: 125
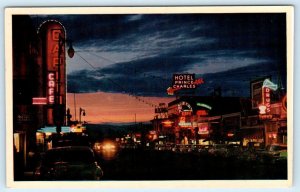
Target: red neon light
x: 167, y: 123
x: 267, y: 99
x: 202, y: 113
x: 39, y: 100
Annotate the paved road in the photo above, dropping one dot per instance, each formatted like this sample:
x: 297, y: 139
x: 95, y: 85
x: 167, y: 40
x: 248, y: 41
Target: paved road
x: 167, y: 165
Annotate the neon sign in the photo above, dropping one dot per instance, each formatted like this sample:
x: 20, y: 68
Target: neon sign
x: 268, y: 86
x: 185, y: 108
x: 204, y: 105
x: 284, y: 103
x: 51, y: 87
x: 167, y: 123
x: 39, y: 101
x: 203, y: 128
x: 267, y: 99
x: 185, y: 124
x: 184, y: 81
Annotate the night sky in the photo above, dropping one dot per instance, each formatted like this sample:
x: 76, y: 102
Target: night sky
x: 123, y: 64
x: 139, y: 53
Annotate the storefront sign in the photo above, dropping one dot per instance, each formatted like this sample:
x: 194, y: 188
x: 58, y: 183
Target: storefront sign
x: 51, y: 87
x: 167, y: 123
x: 202, y: 113
x: 185, y: 124
x: 265, y: 117
x: 39, y: 101
x: 265, y: 108
x: 256, y: 93
x: 203, y: 128
x: 184, y: 108
x: 52, y: 34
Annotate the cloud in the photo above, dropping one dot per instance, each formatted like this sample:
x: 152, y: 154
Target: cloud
x: 139, y: 53
x: 223, y: 63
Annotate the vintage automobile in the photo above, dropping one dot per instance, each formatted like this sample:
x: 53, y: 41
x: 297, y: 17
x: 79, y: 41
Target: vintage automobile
x: 273, y: 152
x: 69, y: 163
x: 218, y: 150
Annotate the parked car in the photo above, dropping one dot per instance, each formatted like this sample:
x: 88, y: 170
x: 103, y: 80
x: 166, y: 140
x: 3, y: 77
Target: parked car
x: 276, y: 149
x: 69, y: 163
x: 234, y: 150
x: 273, y: 152
x: 218, y: 150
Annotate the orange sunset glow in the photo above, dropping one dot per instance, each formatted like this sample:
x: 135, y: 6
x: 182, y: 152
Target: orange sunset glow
x: 104, y: 107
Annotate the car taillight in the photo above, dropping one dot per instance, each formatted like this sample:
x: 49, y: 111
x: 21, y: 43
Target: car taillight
x: 37, y: 172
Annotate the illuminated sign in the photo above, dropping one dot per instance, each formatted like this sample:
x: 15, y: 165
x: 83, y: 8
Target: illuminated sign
x: 267, y: 99
x: 39, y: 100
x: 51, y: 87
x: 202, y: 113
x: 267, y: 87
x: 203, y: 128
x: 182, y: 122
x: 167, y: 123
x: 52, y: 34
x: 262, y: 109
x: 265, y: 117
x: 185, y: 124
x: 284, y: 103
x: 184, y: 81
x: 185, y: 108
x: 204, y: 105
x: 269, y: 84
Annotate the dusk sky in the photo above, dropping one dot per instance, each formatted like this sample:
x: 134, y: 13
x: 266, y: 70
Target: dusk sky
x: 119, y: 57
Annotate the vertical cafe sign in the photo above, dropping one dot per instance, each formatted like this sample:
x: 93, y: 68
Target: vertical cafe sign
x: 52, y: 35
x: 51, y: 88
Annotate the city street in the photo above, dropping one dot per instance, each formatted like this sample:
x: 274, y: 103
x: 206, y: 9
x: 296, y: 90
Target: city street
x: 168, y: 165
x: 149, y: 97
x: 138, y: 164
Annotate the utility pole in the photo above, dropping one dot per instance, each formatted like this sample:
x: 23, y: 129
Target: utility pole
x: 75, y: 106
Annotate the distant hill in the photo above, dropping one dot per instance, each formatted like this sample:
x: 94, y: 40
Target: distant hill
x: 110, y: 131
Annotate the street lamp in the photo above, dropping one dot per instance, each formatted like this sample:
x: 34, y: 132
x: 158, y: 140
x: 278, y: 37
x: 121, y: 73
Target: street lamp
x: 81, y: 111
x: 71, y: 50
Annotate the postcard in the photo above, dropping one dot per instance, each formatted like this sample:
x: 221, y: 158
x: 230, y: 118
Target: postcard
x: 164, y: 97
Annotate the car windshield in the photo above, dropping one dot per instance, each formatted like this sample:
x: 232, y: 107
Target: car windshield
x: 69, y: 156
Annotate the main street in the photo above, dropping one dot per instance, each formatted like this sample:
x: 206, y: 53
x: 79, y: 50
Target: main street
x: 135, y: 164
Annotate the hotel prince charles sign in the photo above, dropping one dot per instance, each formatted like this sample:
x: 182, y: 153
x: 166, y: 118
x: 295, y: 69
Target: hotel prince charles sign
x: 184, y: 81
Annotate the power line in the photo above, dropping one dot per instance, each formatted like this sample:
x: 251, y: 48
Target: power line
x: 121, y: 87
x: 134, y: 69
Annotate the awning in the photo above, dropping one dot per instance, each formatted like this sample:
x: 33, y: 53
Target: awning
x: 52, y: 129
